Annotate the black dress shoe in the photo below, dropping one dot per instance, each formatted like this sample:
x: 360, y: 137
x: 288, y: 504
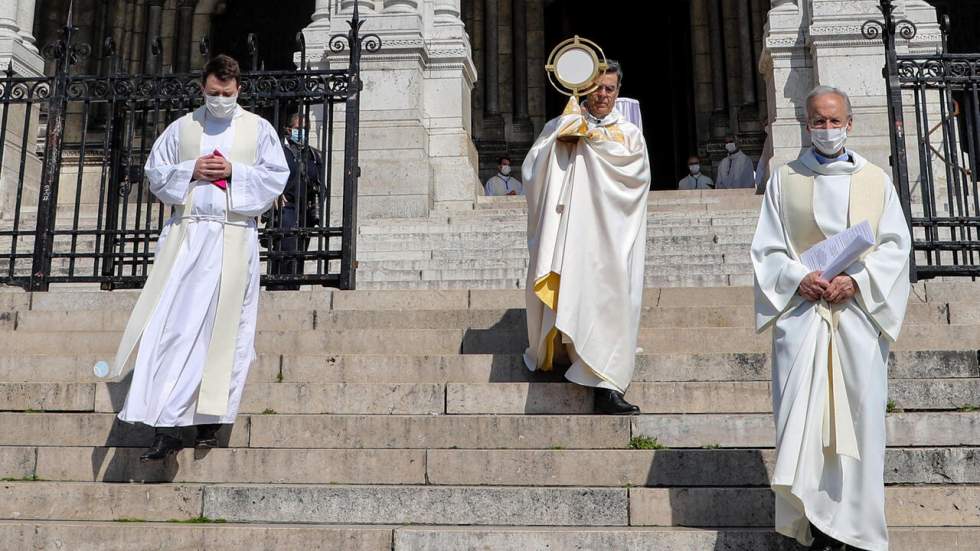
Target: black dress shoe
x: 207, y: 437
x: 612, y: 402
x: 163, y: 445
x: 823, y: 542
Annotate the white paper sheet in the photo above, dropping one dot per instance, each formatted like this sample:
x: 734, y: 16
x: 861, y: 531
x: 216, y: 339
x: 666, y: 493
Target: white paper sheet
x: 834, y: 254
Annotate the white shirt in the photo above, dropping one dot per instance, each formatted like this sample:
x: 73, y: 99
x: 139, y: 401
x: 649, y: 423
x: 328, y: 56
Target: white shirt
x: 498, y: 184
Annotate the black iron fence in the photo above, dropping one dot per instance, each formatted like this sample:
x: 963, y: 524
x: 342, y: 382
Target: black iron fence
x: 941, y: 202
x: 75, y: 205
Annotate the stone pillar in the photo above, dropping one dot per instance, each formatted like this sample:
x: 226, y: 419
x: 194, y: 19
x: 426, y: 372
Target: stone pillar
x: 154, y: 20
x: 25, y: 21
x: 719, y: 117
x: 17, y: 43
x: 415, y: 153
x: 493, y: 124
x: 789, y: 76
x: 522, y: 129
x: 185, y: 25
x: 747, y: 64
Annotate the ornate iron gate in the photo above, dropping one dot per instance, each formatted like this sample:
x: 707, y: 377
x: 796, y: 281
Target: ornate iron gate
x: 943, y: 206
x: 75, y: 204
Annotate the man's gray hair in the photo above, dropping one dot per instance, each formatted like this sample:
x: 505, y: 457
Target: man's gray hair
x: 613, y: 66
x: 823, y: 90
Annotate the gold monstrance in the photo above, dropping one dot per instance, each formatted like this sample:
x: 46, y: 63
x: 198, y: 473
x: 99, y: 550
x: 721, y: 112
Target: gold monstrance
x: 572, y: 68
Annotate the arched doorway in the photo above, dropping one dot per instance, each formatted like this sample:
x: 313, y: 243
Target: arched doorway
x: 658, y: 71
x: 274, y: 25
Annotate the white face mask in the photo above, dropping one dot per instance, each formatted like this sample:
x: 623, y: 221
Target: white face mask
x: 731, y: 147
x: 694, y: 168
x: 828, y: 141
x: 220, y: 106
x: 505, y: 170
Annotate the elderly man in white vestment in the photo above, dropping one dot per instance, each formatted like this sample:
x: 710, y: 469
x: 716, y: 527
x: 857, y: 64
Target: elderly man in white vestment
x: 220, y: 167
x: 830, y: 338
x: 586, y: 179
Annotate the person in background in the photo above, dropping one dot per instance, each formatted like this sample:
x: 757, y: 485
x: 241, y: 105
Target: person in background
x: 735, y: 170
x: 503, y: 183
x: 695, y: 180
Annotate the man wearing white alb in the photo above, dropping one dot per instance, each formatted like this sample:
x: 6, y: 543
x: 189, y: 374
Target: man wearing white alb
x: 830, y: 338
x: 220, y: 166
x: 735, y: 170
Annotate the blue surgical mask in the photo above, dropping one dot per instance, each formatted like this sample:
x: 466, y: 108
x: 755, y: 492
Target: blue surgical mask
x: 296, y: 135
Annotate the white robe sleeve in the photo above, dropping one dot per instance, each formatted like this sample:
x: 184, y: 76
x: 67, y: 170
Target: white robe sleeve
x: 883, y: 275
x: 169, y: 179
x: 254, y: 188
x: 777, y: 273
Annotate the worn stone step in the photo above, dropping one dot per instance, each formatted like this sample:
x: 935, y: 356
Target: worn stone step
x: 230, y: 465
x: 313, y: 398
x: 672, y: 468
x: 756, y: 430
x: 99, y: 536
x: 489, y: 341
x: 448, y: 467
x: 485, y: 368
x: 334, y: 431
x: 652, y: 275
x: 684, y: 397
x: 933, y: 506
x: 517, y: 228
x: 41, y: 500
x: 439, y: 538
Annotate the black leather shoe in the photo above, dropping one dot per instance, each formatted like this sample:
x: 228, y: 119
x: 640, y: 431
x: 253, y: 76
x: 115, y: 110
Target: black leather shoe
x: 823, y: 542
x: 612, y: 402
x: 163, y: 445
x: 207, y: 437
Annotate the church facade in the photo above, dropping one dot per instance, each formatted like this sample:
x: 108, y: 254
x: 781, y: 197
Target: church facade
x: 458, y: 83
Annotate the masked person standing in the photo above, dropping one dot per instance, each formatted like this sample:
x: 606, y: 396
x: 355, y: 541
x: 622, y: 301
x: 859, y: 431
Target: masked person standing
x: 298, y: 207
x: 220, y: 167
x: 695, y: 180
x: 735, y: 170
x: 503, y: 183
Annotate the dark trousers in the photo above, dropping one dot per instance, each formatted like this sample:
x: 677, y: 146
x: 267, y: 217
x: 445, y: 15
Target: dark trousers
x: 288, y: 220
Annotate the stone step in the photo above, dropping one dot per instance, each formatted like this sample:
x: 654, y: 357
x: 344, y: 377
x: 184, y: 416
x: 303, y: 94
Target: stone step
x: 485, y: 368
x: 96, y: 536
x: 517, y: 227
x: 336, y: 431
x: 448, y: 467
x: 756, y: 429
x: 499, y: 320
x: 473, y: 241
x: 88, y: 297
x: 424, y: 538
x: 130, y: 534
x: 497, y: 398
x: 927, y: 429
x: 701, y: 281
x: 475, y: 341
x: 652, y: 273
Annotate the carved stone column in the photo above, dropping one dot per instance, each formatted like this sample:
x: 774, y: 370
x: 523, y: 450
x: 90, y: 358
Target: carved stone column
x: 154, y: 21
x: 185, y: 25
x: 493, y: 124
x: 522, y: 129
x: 719, y: 117
x: 25, y: 22
x: 17, y: 42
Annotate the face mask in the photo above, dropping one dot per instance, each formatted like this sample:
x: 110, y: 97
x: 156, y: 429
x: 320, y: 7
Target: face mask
x: 731, y: 147
x: 296, y: 135
x: 828, y: 141
x: 220, y: 106
x: 695, y: 168
x: 505, y: 170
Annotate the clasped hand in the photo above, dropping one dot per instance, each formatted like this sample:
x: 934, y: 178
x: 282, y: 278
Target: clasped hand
x: 836, y: 291
x: 211, y: 167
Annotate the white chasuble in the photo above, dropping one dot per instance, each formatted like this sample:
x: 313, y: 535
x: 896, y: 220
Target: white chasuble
x: 195, y: 319
x: 587, y: 216
x: 829, y: 362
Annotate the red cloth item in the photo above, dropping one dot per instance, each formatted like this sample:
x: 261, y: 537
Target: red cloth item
x: 223, y: 184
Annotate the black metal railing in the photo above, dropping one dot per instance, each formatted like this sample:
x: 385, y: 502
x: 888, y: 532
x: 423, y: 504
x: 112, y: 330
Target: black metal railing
x: 942, y: 205
x: 75, y: 205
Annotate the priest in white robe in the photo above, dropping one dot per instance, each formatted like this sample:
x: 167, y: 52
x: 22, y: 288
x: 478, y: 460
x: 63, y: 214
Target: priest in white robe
x: 587, y: 178
x: 220, y: 167
x: 735, y: 170
x: 830, y: 338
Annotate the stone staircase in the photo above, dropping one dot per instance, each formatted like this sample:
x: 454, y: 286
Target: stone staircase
x: 694, y: 239
x: 404, y: 420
